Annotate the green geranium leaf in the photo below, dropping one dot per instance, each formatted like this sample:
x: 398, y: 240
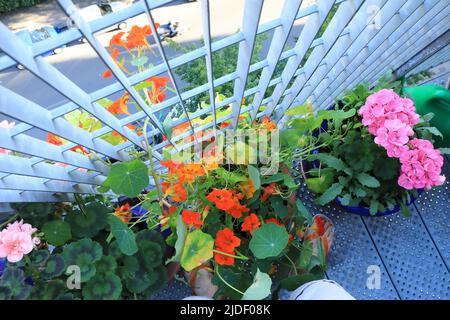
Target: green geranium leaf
x: 260, y: 287
x: 150, y: 254
x: 87, y: 225
x: 331, y: 193
x: 160, y: 274
x: 14, y: 279
x: 54, y: 267
x: 329, y: 160
x: 367, y: 180
x: 128, y: 178
x: 53, y: 290
x: 125, y: 237
x: 198, y: 249
x: 106, y: 264
x: 268, y: 241
x: 135, y: 277
x: 35, y: 214
x: 39, y: 257
x: 57, y: 232
x: 83, y: 253
x: 254, y: 174
x: 103, y: 287
x: 5, y: 293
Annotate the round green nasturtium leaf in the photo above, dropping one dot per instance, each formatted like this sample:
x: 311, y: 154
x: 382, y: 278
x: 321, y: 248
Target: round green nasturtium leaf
x: 260, y: 287
x: 54, y: 267
x: 83, y: 253
x: 103, y: 287
x: 14, y: 279
x: 268, y: 241
x: 320, y: 184
x: 57, y: 232
x: 128, y: 178
x: 106, y: 264
x: 126, y: 239
x: 198, y: 248
x: 87, y: 225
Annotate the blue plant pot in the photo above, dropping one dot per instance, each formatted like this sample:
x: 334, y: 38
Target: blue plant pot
x: 364, y: 211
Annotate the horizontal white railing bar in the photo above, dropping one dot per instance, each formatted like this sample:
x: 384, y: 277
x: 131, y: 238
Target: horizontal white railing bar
x: 33, y: 196
x: 29, y: 112
x: 38, y: 148
x: 23, y: 166
x: 13, y: 182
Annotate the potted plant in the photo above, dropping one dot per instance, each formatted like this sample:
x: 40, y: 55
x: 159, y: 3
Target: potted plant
x: 237, y: 233
x: 371, y: 152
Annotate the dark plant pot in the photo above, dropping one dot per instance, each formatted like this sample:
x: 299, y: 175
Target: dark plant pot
x: 364, y: 211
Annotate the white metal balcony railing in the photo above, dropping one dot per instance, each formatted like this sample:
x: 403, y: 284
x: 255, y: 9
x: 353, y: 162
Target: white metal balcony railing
x: 362, y: 40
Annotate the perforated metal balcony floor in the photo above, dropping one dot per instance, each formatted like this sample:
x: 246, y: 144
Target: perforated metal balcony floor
x: 412, y: 253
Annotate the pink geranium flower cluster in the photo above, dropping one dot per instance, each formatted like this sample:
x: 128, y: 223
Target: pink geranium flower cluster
x: 421, y: 166
x: 16, y: 240
x: 391, y: 118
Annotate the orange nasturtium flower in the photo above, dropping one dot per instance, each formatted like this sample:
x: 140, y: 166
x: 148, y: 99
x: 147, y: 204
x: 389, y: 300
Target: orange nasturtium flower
x: 123, y: 212
x: 54, y: 139
x: 268, y: 191
x: 192, y: 218
x: 137, y: 37
x: 117, y: 40
x: 248, y: 188
x: 251, y: 223
x: 266, y: 124
x: 227, y: 201
x: 157, y: 94
x: 120, y: 105
x: 107, y: 74
x: 80, y: 149
x: 224, y: 124
x: 176, y: 191
x: 159, y: 81
x: 226, y: 242
x: 221, y: 198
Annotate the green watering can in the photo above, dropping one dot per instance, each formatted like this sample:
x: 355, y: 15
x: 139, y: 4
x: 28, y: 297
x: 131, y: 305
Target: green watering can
x: 435, y: 99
